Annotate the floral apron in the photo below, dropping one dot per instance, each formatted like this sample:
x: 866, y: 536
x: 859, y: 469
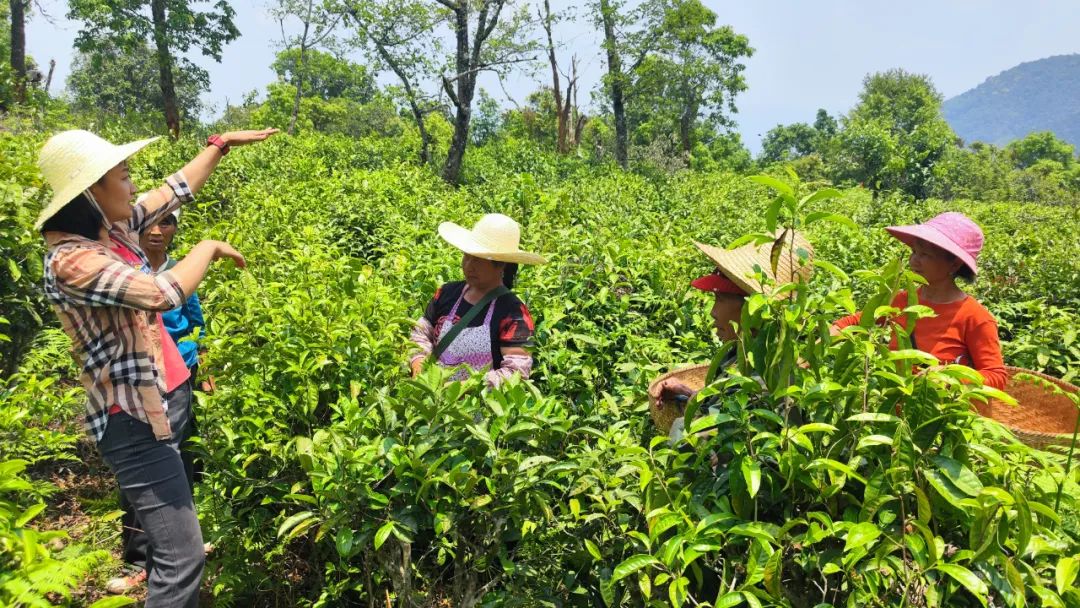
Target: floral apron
x: 471, y: 347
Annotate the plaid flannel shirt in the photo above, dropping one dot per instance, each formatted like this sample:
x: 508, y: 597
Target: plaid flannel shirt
x: 108, y: 309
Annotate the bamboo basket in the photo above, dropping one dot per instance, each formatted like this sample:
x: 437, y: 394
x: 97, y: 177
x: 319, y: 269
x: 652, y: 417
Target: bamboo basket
x: 1042, y: 418
x: 665, y: 413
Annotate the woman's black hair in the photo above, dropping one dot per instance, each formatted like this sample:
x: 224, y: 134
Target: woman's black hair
x: 80, y: 217
x: 965, y: 274
x: 510, y: 271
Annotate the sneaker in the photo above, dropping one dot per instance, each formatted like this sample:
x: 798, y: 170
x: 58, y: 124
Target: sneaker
x: 122, y: 584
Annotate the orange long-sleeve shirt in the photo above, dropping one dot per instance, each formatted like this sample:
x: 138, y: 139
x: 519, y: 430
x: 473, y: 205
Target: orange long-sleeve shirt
x: 963, y: 332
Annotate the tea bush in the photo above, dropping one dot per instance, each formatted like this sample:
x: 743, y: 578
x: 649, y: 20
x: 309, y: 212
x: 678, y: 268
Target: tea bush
x: 331, y: 478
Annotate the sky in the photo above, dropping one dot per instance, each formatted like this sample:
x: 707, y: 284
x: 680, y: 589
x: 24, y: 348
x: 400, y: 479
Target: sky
x: 808, y: 55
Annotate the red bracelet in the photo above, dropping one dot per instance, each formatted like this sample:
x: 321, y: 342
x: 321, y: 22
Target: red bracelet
x: 215, y: 140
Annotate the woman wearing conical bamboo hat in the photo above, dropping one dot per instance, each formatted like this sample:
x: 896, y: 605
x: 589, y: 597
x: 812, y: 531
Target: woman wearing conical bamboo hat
x: 739, y: 273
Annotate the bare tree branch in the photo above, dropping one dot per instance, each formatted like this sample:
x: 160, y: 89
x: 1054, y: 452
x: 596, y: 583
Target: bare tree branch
x: 484, y: 33
x: 502, y: 85
x: 487, y: 67
x: 449, y: 88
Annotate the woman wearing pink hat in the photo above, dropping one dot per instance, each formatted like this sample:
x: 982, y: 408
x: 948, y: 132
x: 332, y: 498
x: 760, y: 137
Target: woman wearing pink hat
x: 963, y: 331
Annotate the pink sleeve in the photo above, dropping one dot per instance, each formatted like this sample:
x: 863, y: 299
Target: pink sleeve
x: 511, y: 364
x: 423, y: 336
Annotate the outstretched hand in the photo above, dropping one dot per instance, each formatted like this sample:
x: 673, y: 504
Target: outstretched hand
x: 225, y: 250
x: 241, y: 138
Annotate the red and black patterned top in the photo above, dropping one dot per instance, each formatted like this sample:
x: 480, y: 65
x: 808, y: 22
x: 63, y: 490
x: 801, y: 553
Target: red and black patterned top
x: 511, y: 323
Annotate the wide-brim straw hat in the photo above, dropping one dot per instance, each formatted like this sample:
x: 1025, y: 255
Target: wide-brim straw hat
x: 72, y: 161
x: 494, y: 237
x: 744, y: 264
x: 954, y: 232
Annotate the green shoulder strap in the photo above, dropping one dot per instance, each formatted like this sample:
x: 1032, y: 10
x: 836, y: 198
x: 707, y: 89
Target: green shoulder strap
x: 465, y: 320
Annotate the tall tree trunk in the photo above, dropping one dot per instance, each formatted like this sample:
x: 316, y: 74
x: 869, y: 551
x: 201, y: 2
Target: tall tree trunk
x: 686, y: 125
x: 577, y: 118
x: 301, y: 68
x: 425, y: 136
x: 165, y: 67
x: 561, y: 117
x: 462, y: 98
x: 567, y: 129
x: 18, y: 47
x: 615, y: 75
x: 48, y: 79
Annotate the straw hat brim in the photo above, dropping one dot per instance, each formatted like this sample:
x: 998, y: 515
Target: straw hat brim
x: 82, y: 177
x: 467, y: 241
x: 743, y: 264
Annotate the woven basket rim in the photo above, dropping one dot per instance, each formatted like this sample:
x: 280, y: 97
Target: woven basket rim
x: 1035, y: 438
x: 1064, y: 385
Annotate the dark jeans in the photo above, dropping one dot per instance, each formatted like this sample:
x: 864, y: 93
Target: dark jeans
x: 153, y: 480
x: 182, y: 420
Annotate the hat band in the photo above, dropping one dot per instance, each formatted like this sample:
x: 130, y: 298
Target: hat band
x: 94, y: 203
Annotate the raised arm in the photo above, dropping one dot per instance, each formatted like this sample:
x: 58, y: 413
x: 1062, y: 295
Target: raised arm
x: 89, y: 277
x: 195, y: 173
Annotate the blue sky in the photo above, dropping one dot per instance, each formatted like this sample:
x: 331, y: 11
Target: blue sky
x: 808, y: 55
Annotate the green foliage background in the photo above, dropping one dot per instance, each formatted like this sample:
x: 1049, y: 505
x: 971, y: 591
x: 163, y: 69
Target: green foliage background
x: 330, y: 471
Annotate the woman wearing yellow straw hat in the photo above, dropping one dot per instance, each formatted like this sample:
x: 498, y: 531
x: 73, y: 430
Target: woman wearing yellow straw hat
x: 739, y: 272
x: 479, y: 322
x: 99, y: 282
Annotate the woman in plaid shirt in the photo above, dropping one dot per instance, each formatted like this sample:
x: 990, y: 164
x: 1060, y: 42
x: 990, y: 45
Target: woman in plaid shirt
x: 112, y: 310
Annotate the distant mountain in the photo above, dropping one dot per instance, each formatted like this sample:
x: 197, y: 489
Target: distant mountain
x: 1041, y: 95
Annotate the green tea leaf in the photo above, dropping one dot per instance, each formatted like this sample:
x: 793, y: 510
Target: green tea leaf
x: 967, y: 578
x: 861, y: 534
x: 1065, y: 573
x: 774, y: 574
x: 1024, y: 525
x: 751, y: 472
x: 383, y: 533
x: 873, y: 417
x: 825, y: 216
x: 343, y: 542
x: 946, y: 489
x: 631, y: 565
x: 730, y: 600
x: 779, y: 185
x: 534, y: 461
x: 959, y: 475
x: 593, y: 550
x: 292, y: 521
